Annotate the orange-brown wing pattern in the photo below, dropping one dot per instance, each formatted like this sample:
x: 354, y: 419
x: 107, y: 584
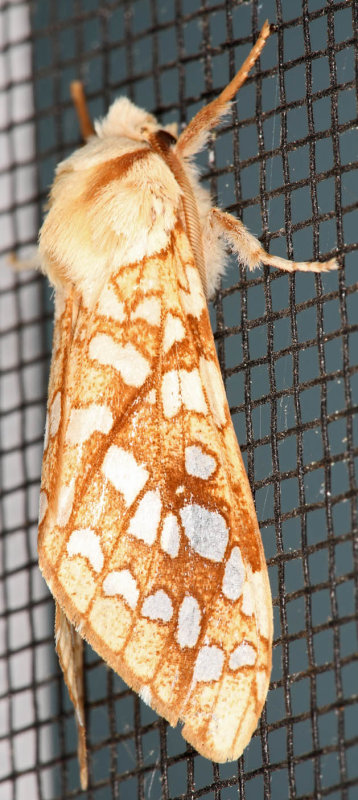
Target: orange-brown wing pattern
x: 148, y: 535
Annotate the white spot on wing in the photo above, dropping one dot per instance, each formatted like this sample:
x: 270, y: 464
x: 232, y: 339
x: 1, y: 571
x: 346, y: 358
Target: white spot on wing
x: 170, y: 538
x: 188, y: 622
x: 192, y: 391
x: 132, y: 366
x: 247, y: 605
x: 209, y: 663
x: 158, y: 606
x: 46, y: 437
x: 110, y: 306
x: 194, y: 301
x: 146, y: 695
x: 83, y: 422
x: 152, y: 396
x: 174, y: 331
x: 55, y: 414
x: 234, y: 575
x: 182, y: 387
x: 42, y: 506
x: 244, y: 655
x: 206, y: 530
x: 255, y: 597
x: 85, y: 542
x: 170, y: 394
x: 128, y: 477
x: 198, y: 463
x: 149, y: 310
x: 261, y: 684
x: 262, y: 607
x: 65, y: 503
x: 144, y: 524
x: 211, y: 379
x: 122, y: 582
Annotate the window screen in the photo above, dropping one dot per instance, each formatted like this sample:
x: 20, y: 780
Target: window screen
x: 285, y: 162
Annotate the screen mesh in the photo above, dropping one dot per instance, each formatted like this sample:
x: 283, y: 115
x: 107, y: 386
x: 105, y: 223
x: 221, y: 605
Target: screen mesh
x: 285, y: 162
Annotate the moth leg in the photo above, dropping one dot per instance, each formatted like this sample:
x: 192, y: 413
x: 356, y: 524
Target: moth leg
x: 252, y: 254
x: 69, y: 648
x: 80, y: 104
x: 18, y: 264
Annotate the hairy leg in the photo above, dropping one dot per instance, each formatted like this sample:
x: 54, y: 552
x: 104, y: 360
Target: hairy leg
x: 250, y: 251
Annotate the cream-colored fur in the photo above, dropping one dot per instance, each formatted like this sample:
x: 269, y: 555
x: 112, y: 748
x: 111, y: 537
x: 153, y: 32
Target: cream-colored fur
x: 104, y: 215
x: 114, y: 202
x: 83, y: 239
x: 125, y: 119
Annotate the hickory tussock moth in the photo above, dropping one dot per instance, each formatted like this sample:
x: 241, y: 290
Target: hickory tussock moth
x: 148, y: 536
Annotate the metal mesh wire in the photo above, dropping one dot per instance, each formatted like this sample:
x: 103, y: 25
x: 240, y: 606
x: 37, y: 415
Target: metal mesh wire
x: 286, y: 163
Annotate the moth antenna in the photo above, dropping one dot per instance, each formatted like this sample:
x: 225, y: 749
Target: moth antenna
x: 161, y: 143
x: 80, y: 104
x: 193, y: 137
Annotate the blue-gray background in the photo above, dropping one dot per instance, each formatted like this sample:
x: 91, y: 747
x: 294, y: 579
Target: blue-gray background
x: 157, y: 53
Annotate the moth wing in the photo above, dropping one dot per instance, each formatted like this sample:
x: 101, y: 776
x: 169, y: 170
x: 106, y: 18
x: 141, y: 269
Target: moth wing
x: 148, y: 534
x: 69, y: 648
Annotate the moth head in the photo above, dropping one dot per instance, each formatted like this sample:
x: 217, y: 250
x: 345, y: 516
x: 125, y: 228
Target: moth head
x: 126, y: 119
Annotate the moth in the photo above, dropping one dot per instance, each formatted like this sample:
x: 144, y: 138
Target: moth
x: 148, y: 537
